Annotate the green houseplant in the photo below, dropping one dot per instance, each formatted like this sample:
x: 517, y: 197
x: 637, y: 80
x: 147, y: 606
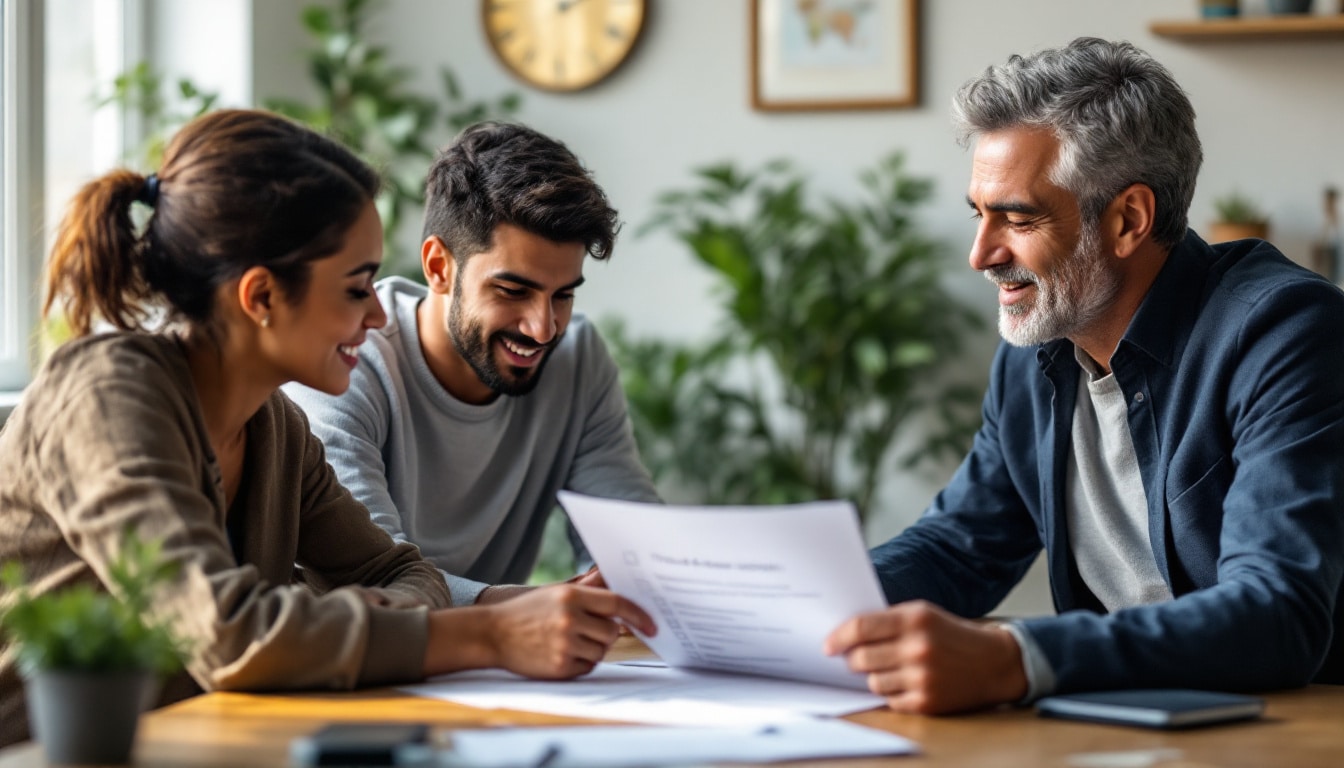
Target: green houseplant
x: 141, y: 90
x: 91, y: 658
x: 367, y: 103
x: 1238, y: 218
x: 835, y: 335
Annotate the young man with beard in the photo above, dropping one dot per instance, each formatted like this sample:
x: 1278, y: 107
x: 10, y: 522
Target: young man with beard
x: 484, y: 394
x: 1166, y: 420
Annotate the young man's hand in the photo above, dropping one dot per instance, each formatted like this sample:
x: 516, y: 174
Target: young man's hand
x: 927, y: 661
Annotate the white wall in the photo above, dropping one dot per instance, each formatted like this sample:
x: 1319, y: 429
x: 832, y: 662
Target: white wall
x: 208, y: 41
x: 1271, y: 115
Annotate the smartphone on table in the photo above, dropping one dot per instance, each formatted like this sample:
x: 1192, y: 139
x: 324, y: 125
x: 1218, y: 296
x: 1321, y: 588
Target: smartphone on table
x: 1165, y: 708
x: 364, y: 744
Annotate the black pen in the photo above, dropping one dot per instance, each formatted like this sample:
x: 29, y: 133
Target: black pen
x: 548, y: 757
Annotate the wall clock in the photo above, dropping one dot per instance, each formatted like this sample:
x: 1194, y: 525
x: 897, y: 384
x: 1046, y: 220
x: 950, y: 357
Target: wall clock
x: 563, y: 45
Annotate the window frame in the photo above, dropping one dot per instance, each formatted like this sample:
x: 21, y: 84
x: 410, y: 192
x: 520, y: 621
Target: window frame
x: 21, y: 135
x: 24, y: 224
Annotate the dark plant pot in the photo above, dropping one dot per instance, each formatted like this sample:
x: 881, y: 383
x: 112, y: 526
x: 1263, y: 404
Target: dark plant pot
x: 88, y: 717
x: 1289, y: 6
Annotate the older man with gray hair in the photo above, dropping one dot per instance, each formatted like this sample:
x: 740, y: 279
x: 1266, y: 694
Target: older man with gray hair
x: 1165, y: 420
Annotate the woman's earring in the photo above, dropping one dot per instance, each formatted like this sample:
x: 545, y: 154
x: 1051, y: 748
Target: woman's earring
x: 265, y: 321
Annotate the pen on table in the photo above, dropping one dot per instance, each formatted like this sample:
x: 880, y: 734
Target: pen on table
x: 549, y: 757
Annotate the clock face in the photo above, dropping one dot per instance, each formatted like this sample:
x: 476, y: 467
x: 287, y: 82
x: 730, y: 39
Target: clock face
x: 563, y: 45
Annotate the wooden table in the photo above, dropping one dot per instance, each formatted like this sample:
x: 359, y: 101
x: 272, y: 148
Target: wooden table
x: 1301, y: 728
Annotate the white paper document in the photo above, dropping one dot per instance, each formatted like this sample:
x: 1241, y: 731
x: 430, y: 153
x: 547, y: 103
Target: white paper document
x: 600, y: 746
x: 644, y: 694
x: 754, y: 590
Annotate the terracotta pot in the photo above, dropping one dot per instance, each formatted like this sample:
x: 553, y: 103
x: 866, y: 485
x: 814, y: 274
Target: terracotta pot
x: 1224, y: 231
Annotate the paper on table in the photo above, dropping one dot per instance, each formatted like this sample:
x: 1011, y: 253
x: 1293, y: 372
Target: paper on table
x: 650, y: 695
x: 599, y: 746
x: 743, y: 589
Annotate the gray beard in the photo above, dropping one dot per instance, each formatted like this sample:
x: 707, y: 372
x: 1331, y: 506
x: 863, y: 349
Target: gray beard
x: 1073, y: 297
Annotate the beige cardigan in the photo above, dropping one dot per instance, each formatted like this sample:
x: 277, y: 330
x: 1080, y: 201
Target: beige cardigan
x: 110, y: 433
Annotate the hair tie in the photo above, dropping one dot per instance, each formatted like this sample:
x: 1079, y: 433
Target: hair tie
x: 149, y: 194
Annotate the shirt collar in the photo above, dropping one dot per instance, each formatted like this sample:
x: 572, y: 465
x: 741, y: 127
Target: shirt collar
x: 1172, y: 303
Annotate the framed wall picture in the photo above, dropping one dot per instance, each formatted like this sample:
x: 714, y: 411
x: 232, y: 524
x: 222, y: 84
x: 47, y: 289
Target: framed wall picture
x: 834, y: 54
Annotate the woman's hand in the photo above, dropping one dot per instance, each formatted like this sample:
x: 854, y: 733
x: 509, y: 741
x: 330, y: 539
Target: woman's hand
x: 554, y: 632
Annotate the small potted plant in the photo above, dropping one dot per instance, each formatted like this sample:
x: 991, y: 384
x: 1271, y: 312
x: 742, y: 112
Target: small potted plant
x: 91, y: 659
x: 1238, y: 218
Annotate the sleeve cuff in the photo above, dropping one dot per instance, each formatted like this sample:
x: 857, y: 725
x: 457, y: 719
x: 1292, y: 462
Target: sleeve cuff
x: 464, y: 591
x: 395, y: 650
x: 1040, y: 675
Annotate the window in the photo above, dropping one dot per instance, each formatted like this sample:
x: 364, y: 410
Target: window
x: 57, y: 55
x: 84, y: 51
x: 20, y: 188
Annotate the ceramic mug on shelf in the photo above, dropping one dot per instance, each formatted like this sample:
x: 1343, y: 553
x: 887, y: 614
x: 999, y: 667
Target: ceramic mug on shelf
x: 1219, y: 9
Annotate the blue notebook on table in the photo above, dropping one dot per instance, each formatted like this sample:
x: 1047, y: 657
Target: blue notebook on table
x: 1154, y: 708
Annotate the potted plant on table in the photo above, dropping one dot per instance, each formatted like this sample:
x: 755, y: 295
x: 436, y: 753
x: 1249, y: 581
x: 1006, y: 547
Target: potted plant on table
x: 1238, y: 218
x: 91, y: 659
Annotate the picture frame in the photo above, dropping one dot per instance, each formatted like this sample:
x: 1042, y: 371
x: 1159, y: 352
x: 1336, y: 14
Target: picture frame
x: 809, y: 55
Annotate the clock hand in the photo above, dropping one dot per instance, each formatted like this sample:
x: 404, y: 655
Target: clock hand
x: 565, y: 5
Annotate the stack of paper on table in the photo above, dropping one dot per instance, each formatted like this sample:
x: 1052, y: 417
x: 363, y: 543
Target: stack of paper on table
x: 630, y: 746
x: 645, y: 694
x: 751, y: 590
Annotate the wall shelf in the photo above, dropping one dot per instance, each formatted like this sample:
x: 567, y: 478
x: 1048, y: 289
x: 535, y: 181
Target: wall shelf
x: 1303, y: 27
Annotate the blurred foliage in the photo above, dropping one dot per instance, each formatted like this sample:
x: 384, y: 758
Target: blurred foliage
x: 82, y: 628
x: 370, y: 106
x: 835, y: 332
x: 141, y: 90
x: 1236, y: 208
x: 363, y: 100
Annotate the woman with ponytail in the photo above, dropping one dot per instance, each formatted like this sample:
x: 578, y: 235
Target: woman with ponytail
x: 255, y: 267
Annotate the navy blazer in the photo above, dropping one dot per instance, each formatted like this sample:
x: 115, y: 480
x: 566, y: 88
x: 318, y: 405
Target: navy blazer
x: 1233, y: 367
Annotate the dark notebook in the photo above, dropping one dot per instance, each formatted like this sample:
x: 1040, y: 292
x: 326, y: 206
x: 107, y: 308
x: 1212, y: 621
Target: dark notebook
x: 1158, y: 708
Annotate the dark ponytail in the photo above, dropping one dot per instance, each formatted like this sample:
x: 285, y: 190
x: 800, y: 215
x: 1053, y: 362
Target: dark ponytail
x: 94, y: 266
x: 238, y: 189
